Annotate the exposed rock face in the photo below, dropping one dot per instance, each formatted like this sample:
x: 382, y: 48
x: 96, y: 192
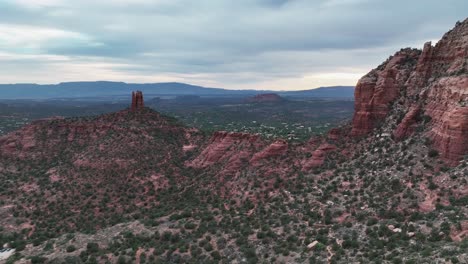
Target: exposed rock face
x: 319, y: 155
x: 265, y: 98
x: 137, y: 101
x: 432, y: 82
x: 19, y: 143
x: 420, y: 76
x: 447, y: 94
x: 335, y: 134
x: 230, y: 147
x: 450, y: 131
x: 230, y: 154
x: 458, y: 234
x: 376, y: 90
x: 406, y: 127
x: 276, y: 149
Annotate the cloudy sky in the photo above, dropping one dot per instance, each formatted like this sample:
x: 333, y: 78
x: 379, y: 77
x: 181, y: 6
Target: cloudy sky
x: 261, y: 44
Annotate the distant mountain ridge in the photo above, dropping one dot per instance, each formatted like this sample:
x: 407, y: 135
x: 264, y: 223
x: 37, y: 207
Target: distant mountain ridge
x: 105, y: 88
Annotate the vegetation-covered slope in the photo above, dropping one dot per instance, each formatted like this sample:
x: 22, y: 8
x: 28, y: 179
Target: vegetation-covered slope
x: 137, y: 187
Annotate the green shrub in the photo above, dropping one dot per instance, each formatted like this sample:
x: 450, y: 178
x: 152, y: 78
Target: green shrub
x: 215, y: 255
x: 433, y: 153
x: 372, y: 221
x: 38, y: 260
x: 92, y: 247
x: 71, y: 248
x: 190, y: 225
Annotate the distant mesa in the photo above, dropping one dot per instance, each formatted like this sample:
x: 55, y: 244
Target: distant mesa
x: 137, y: 101
x: 265, y: 98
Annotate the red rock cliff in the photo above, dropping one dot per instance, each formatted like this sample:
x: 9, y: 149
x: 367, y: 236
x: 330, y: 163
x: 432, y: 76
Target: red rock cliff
x: 227, y: 147
x: 431, y: 82
x: 447, y: 94
x: 377, y: 89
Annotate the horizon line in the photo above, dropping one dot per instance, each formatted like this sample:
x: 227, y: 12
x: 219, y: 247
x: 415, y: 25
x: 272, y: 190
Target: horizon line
x: 175, y: 82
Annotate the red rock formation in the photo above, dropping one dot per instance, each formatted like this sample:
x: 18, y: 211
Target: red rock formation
x: 422, y: 72
x: 233, y: 152
x: 265, y: 98
x: 406, y: 127
x: 318, y: 156
x: 376, y: 90
x: 226, y: 147
x: 276, y: 149
x: 137, y: 101
x: 435, y: 82
x: 334, y: 134
x: 450, y: 132
x: 458, y: 234
x: 447, y: 94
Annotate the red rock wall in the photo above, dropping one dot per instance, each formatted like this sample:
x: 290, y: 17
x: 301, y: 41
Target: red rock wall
x: 447, y: 94
x: 318, y: 156
x: 227, y: 147
x: 376, y: 90
x: 435, y: 82
x: 277, y: 148
x: 448, y: 108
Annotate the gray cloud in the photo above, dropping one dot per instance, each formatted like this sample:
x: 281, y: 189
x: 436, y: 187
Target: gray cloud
x: 237, y: 44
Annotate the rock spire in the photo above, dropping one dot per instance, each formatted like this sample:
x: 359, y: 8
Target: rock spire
x: 137, y: 101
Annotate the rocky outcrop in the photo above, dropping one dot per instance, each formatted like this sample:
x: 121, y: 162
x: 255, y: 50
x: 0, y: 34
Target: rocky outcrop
x: 376, y: 90
x: 449, y: 131
x: 230, y: 147
x: 319, y: 155
x: 407, y: 125
x: 336, y: 134
x: 137, y: 101
x: 460, y: 232
x: 276, y: 149
x: 19, y: 143
x: 447, y: 94
x: 421, y: 74
x: 432, y: 82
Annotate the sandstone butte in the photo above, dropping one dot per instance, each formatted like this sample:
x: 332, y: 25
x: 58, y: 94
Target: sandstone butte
x: 265, y: 98
x: 432, y: 83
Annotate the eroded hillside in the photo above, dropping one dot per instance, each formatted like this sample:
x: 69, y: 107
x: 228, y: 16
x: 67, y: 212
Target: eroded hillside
x: 136, y: 186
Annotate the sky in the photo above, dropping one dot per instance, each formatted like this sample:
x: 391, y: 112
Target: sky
x: 241, y: 44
